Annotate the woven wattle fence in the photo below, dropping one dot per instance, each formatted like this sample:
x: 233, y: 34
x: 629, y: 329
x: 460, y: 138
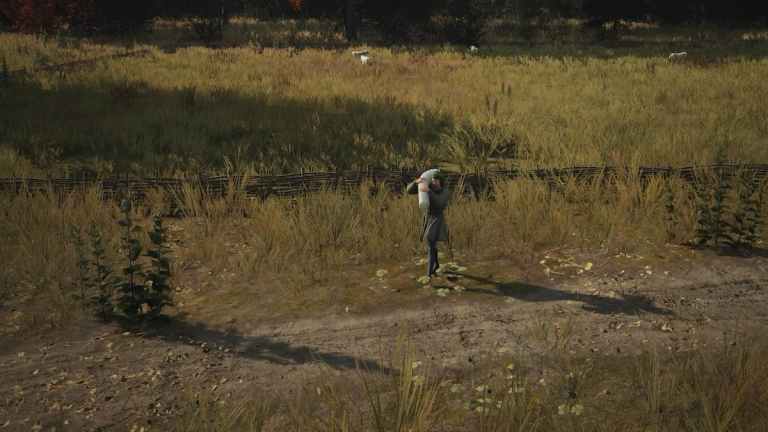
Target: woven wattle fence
x: 77, y: 64
x: 291, y: 185
x: 89, y: 62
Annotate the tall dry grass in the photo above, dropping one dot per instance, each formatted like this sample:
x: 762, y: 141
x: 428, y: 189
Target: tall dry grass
x: 39, y: 276
x: 280, y: 109
x: 307, y: 242
x: 719, y: 390
x: 403, y: 396
x: 38, y: 255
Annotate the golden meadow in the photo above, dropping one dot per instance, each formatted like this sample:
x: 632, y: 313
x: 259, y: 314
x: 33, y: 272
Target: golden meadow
x: 281, y: 109
x: 256, y: 109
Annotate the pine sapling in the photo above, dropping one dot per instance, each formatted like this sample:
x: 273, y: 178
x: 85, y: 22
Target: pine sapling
x: 84, y: 280
x: 131, y: 289
x: 722, y: 229
x: 743, y: 229
x: 158, y: 285
x: 756, y: 217
x: 669, y: 206
x: 104, y: 279
x: 754, y: 211
x: 702, y: 198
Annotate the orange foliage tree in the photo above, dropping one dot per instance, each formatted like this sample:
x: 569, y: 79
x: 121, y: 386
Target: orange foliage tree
x: 296, y: 5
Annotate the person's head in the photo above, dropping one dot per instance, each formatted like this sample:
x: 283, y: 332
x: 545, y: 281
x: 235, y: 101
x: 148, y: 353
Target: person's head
x: 438, y: 182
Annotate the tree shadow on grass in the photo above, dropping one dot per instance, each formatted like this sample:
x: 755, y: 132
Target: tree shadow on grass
x: 554, y: 41
x: 133, y: 127
x: 698, y: 56
x: 257, y: 348
x: 625, y: 304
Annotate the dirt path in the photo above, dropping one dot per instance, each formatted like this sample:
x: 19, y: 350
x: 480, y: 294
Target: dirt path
x: 101, y: 377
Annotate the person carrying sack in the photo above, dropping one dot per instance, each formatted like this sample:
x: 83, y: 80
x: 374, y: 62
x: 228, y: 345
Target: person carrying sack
x: 433, y: 199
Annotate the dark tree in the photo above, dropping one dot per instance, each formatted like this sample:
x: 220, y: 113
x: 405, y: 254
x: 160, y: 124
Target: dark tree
x: 351, y: 19
x: 469, y: 17
x: 401, y: 20
x: 33, y: 15
x: 107, y: 16
x: 604, y: 11
x: 84, y: 16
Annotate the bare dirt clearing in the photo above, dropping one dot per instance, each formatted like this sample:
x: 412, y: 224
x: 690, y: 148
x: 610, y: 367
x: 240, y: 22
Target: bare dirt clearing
x: 106, y: 377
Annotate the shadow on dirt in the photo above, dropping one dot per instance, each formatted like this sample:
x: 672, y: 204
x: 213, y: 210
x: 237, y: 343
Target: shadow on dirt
x: 754, y: 252
x: 625, y: 304
x: 259, y: 348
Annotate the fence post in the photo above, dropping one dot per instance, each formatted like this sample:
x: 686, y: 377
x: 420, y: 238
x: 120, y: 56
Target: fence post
x: 301, y: 180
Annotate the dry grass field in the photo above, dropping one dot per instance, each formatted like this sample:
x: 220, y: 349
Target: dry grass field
x: 279, y: 109
x: 582, y: 307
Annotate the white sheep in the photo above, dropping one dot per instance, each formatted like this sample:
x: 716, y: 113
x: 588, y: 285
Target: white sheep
x: 473, y: 49
x: 677, y: 55
x: 362, y: 55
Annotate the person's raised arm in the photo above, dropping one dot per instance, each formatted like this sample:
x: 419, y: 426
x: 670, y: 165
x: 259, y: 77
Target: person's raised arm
x: 413, y: 187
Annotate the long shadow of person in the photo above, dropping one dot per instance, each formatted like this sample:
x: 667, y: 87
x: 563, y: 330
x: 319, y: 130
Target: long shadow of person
x: 260, y: 348
x: 624, y: 304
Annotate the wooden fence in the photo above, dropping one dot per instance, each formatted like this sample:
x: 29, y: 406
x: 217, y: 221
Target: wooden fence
x: 69, y: 66
x: 291, y: 185
x: 77, y: 64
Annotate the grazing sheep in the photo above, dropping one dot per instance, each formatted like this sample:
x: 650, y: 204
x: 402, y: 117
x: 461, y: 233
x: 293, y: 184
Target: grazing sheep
x: 473, y: 49
x: 677, y: 55
x: 362, y: 55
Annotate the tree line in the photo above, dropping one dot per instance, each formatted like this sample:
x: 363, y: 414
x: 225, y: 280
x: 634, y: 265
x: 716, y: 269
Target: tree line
x: 391, y: 16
